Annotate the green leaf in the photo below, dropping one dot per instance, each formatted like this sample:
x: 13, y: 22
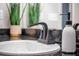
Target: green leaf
x: 15, y: 13
x: 34, y: 13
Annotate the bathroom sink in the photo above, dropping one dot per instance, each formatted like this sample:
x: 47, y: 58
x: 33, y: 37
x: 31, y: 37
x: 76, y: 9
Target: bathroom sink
x: 27, y: 47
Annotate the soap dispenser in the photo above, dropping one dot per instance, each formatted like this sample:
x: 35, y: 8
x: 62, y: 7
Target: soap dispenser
x: 69, y: 38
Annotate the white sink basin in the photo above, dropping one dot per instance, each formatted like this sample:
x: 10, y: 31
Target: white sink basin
x: 27, y: 47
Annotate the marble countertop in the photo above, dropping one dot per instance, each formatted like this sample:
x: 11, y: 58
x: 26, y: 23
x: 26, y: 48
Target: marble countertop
x: 7, y: 38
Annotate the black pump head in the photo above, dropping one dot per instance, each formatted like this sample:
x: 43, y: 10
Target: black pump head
x: 68, y: 22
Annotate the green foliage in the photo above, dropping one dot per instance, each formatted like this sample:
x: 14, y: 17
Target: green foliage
x: 14, y: 13
x: 34, y: 10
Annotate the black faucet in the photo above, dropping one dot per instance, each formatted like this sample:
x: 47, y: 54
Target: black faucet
x: 75, y: 26
x: 45, y: 32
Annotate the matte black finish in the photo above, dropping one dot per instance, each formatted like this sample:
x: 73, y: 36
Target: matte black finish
x: 68, y: 22
x: 48, y: 37
x: 75, y: 26
x: 45, y: 33
x: 45, y: 29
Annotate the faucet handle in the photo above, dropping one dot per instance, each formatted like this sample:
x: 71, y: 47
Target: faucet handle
x: 75, y: 26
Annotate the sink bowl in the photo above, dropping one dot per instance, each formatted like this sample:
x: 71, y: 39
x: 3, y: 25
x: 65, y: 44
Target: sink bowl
x: 27, y: 47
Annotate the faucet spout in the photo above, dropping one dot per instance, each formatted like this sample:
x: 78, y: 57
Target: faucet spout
x: 45, y: 29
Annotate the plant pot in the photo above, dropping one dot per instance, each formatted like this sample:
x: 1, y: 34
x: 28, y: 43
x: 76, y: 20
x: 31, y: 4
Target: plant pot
x: 15, y: 30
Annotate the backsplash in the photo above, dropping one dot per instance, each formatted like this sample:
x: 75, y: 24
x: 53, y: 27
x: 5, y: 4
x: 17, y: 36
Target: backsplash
x: 4, y: 16
x: 54, y: 35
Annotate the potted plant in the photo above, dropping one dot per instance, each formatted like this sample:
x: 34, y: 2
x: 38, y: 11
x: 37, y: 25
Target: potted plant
x: 14, y: 15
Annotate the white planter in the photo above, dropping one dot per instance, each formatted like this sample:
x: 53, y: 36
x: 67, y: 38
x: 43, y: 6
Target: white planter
x: 15, y: 30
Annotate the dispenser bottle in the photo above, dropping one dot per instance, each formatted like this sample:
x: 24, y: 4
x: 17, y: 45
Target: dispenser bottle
x: 68, y: 38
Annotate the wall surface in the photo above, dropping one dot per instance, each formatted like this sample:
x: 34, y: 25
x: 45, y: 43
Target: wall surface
x: 4, y: 17
x: 49, y: 13
x: 75, y: 13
